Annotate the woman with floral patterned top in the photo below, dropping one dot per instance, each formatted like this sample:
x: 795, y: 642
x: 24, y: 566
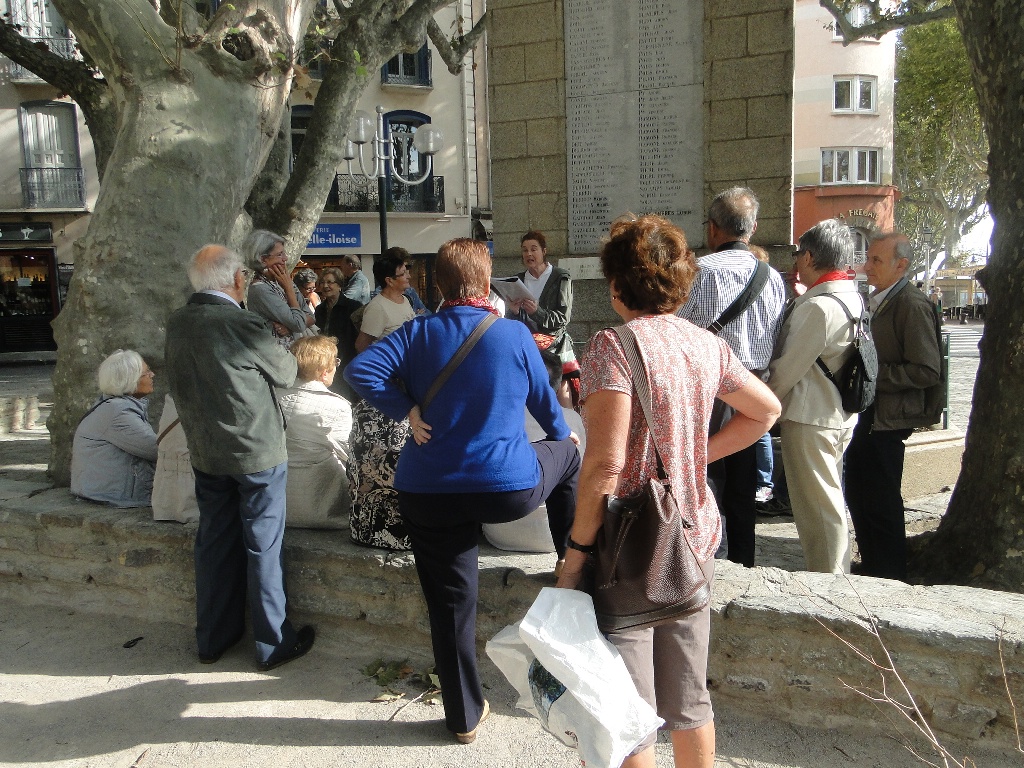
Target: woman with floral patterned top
x: 650, y: 269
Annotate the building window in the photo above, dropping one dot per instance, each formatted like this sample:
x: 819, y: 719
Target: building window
x: 860, y: 245
x: 849, y: 165
x: 855, y: 93
x: 408, y: 69
x: 52, y: 176
x: 858, y: 16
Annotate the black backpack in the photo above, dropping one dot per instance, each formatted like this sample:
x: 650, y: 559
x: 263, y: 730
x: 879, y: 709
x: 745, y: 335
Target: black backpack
x: 857, y: 378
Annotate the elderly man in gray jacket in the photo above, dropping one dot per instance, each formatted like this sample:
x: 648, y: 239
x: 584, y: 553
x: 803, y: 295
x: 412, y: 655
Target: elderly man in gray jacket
x: 223, y: 367
x: 814, y: 427
x: 911, y: 393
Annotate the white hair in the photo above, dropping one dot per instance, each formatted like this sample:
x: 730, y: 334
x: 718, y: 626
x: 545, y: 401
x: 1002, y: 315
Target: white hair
x: 119, y: 374
x: 214, y: 274
x: 258, y: 244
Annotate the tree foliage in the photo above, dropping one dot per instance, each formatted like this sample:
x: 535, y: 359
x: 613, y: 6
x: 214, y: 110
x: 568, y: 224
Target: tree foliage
x: 941, y: 151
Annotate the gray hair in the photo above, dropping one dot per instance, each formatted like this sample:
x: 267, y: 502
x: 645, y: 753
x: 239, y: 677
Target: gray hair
x: 352, y: 260
x: 735, y: 211
x: 216, y: 273
x: 904, y: 248
x: 258, y: 244
x: 830, y: 244
x: 119, y: 374
x: 305, y: 277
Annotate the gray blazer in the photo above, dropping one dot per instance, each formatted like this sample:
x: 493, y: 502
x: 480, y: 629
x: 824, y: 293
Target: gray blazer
x: 113, y: 455
x: 222, y: 366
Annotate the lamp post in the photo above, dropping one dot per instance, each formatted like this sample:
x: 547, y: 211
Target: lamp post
x: 926, y: 238
x: 427, y: 141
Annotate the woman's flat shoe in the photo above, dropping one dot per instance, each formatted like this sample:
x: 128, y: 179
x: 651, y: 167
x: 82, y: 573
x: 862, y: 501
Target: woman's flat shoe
x: 469, y: 738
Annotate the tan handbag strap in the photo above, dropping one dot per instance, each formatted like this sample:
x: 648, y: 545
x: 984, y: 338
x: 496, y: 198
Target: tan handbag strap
x: 642, y: 385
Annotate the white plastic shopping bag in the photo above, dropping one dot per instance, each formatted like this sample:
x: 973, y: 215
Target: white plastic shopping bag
x: 572, y: 679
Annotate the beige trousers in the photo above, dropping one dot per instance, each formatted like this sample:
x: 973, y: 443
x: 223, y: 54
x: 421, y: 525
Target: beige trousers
x: 813, y: 458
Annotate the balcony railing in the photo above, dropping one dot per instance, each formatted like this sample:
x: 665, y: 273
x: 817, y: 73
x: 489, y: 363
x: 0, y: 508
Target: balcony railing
x: 349, y: 195
x: 53, y: 187
x: 60, y: 46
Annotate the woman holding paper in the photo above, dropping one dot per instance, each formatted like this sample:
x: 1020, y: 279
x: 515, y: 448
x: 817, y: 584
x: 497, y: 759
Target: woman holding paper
x: 548, y: 310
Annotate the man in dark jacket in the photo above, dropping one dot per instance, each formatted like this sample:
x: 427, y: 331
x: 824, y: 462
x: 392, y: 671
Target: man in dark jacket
x: 910, y: 392
x: 223, y: 366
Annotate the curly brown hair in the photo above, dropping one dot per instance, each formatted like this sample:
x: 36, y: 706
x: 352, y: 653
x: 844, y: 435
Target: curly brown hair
x: 650, y: 263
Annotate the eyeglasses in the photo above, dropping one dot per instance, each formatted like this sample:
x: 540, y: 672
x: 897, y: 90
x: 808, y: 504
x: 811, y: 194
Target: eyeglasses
x: 246, y: 273
x: 337, y: 362
x: 329, y: 282
x: 150, y: 374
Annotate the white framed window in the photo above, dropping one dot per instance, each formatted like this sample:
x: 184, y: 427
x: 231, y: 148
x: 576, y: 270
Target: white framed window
x: 850, y: 165
x: 860, y: 245
x: 859, y: 16
x: 855, y: 94
x: 52, y: 175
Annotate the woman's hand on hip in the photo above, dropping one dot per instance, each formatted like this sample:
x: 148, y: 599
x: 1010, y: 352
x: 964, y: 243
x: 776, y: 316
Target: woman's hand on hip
x: 420, y: 428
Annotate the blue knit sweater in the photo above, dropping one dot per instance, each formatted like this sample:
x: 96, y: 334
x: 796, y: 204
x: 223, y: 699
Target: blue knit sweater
x: 478, y: 441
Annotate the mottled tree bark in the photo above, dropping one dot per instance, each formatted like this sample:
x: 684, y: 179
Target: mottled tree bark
x: 980, y: 541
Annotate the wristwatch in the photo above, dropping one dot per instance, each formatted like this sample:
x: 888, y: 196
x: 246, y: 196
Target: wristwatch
x: 587, y: 549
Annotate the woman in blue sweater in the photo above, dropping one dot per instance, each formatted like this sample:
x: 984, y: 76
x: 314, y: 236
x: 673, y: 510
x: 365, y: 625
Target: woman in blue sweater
x: 469, y: 461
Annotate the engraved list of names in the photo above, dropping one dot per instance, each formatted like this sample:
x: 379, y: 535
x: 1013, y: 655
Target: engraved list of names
x: 634, y: 116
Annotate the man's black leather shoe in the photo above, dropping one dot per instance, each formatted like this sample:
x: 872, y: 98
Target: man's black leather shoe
x: 303, y: 642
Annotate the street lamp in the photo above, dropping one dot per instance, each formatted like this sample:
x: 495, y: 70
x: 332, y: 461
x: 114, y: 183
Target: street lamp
x: 427, y: 141
x: 926, y: 238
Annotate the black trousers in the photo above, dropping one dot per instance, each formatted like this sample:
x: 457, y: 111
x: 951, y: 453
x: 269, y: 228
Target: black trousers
x: 874, y: 475
x: 733, y: 481
x: 444, y: 529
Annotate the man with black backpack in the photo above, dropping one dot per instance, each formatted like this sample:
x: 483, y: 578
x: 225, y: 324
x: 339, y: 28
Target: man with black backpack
x: 741, y: 299
x: 910, y: 393
x: 816, y: 342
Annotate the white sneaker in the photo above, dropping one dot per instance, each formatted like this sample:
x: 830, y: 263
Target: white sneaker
x: 763, y: 495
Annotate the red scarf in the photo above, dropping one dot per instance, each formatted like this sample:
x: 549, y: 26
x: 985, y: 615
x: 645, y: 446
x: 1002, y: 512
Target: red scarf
x: 830, y: 276
x: 479, y: 302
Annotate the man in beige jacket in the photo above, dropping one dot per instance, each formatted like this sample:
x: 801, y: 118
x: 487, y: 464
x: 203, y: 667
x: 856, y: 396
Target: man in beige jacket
x: 814, y: 427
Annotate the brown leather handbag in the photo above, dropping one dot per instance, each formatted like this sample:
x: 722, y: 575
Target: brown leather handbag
x: 646, y: 572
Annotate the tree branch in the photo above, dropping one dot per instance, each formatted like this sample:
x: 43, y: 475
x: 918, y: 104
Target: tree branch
x: 883, y: 22
x: 72, y: 77
x: 453, y: 52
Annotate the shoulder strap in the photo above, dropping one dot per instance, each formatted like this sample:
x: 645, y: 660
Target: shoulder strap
x: 747, y: 297
x: 857, y: 325
x: 642, y: 385
x: 456, y: 361
x: 170, y: 426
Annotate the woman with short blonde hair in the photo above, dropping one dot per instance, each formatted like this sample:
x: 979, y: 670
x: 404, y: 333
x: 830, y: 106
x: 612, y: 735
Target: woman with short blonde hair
x: 317, y: 438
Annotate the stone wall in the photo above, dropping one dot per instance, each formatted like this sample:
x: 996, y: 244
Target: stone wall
x: 748, y: 127
x: 772, y: 652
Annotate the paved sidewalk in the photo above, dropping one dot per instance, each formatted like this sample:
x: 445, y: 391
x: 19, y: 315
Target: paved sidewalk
x: 72, y: 696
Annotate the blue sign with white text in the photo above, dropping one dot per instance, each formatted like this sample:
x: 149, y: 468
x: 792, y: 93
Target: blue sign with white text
x: 336, y: 236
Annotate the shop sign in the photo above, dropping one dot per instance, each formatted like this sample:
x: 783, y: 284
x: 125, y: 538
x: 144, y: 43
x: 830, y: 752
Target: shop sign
x: 26, y: 231
x: 336, y: 236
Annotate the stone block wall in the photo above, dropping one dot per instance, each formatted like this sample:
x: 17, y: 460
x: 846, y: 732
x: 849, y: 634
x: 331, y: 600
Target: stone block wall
x: 772, y: 651
x: 748, y: 98
x: 526, y: 77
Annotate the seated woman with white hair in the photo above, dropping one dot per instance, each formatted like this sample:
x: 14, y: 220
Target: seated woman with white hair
x: 113, y: 456
x: 319, y: 423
